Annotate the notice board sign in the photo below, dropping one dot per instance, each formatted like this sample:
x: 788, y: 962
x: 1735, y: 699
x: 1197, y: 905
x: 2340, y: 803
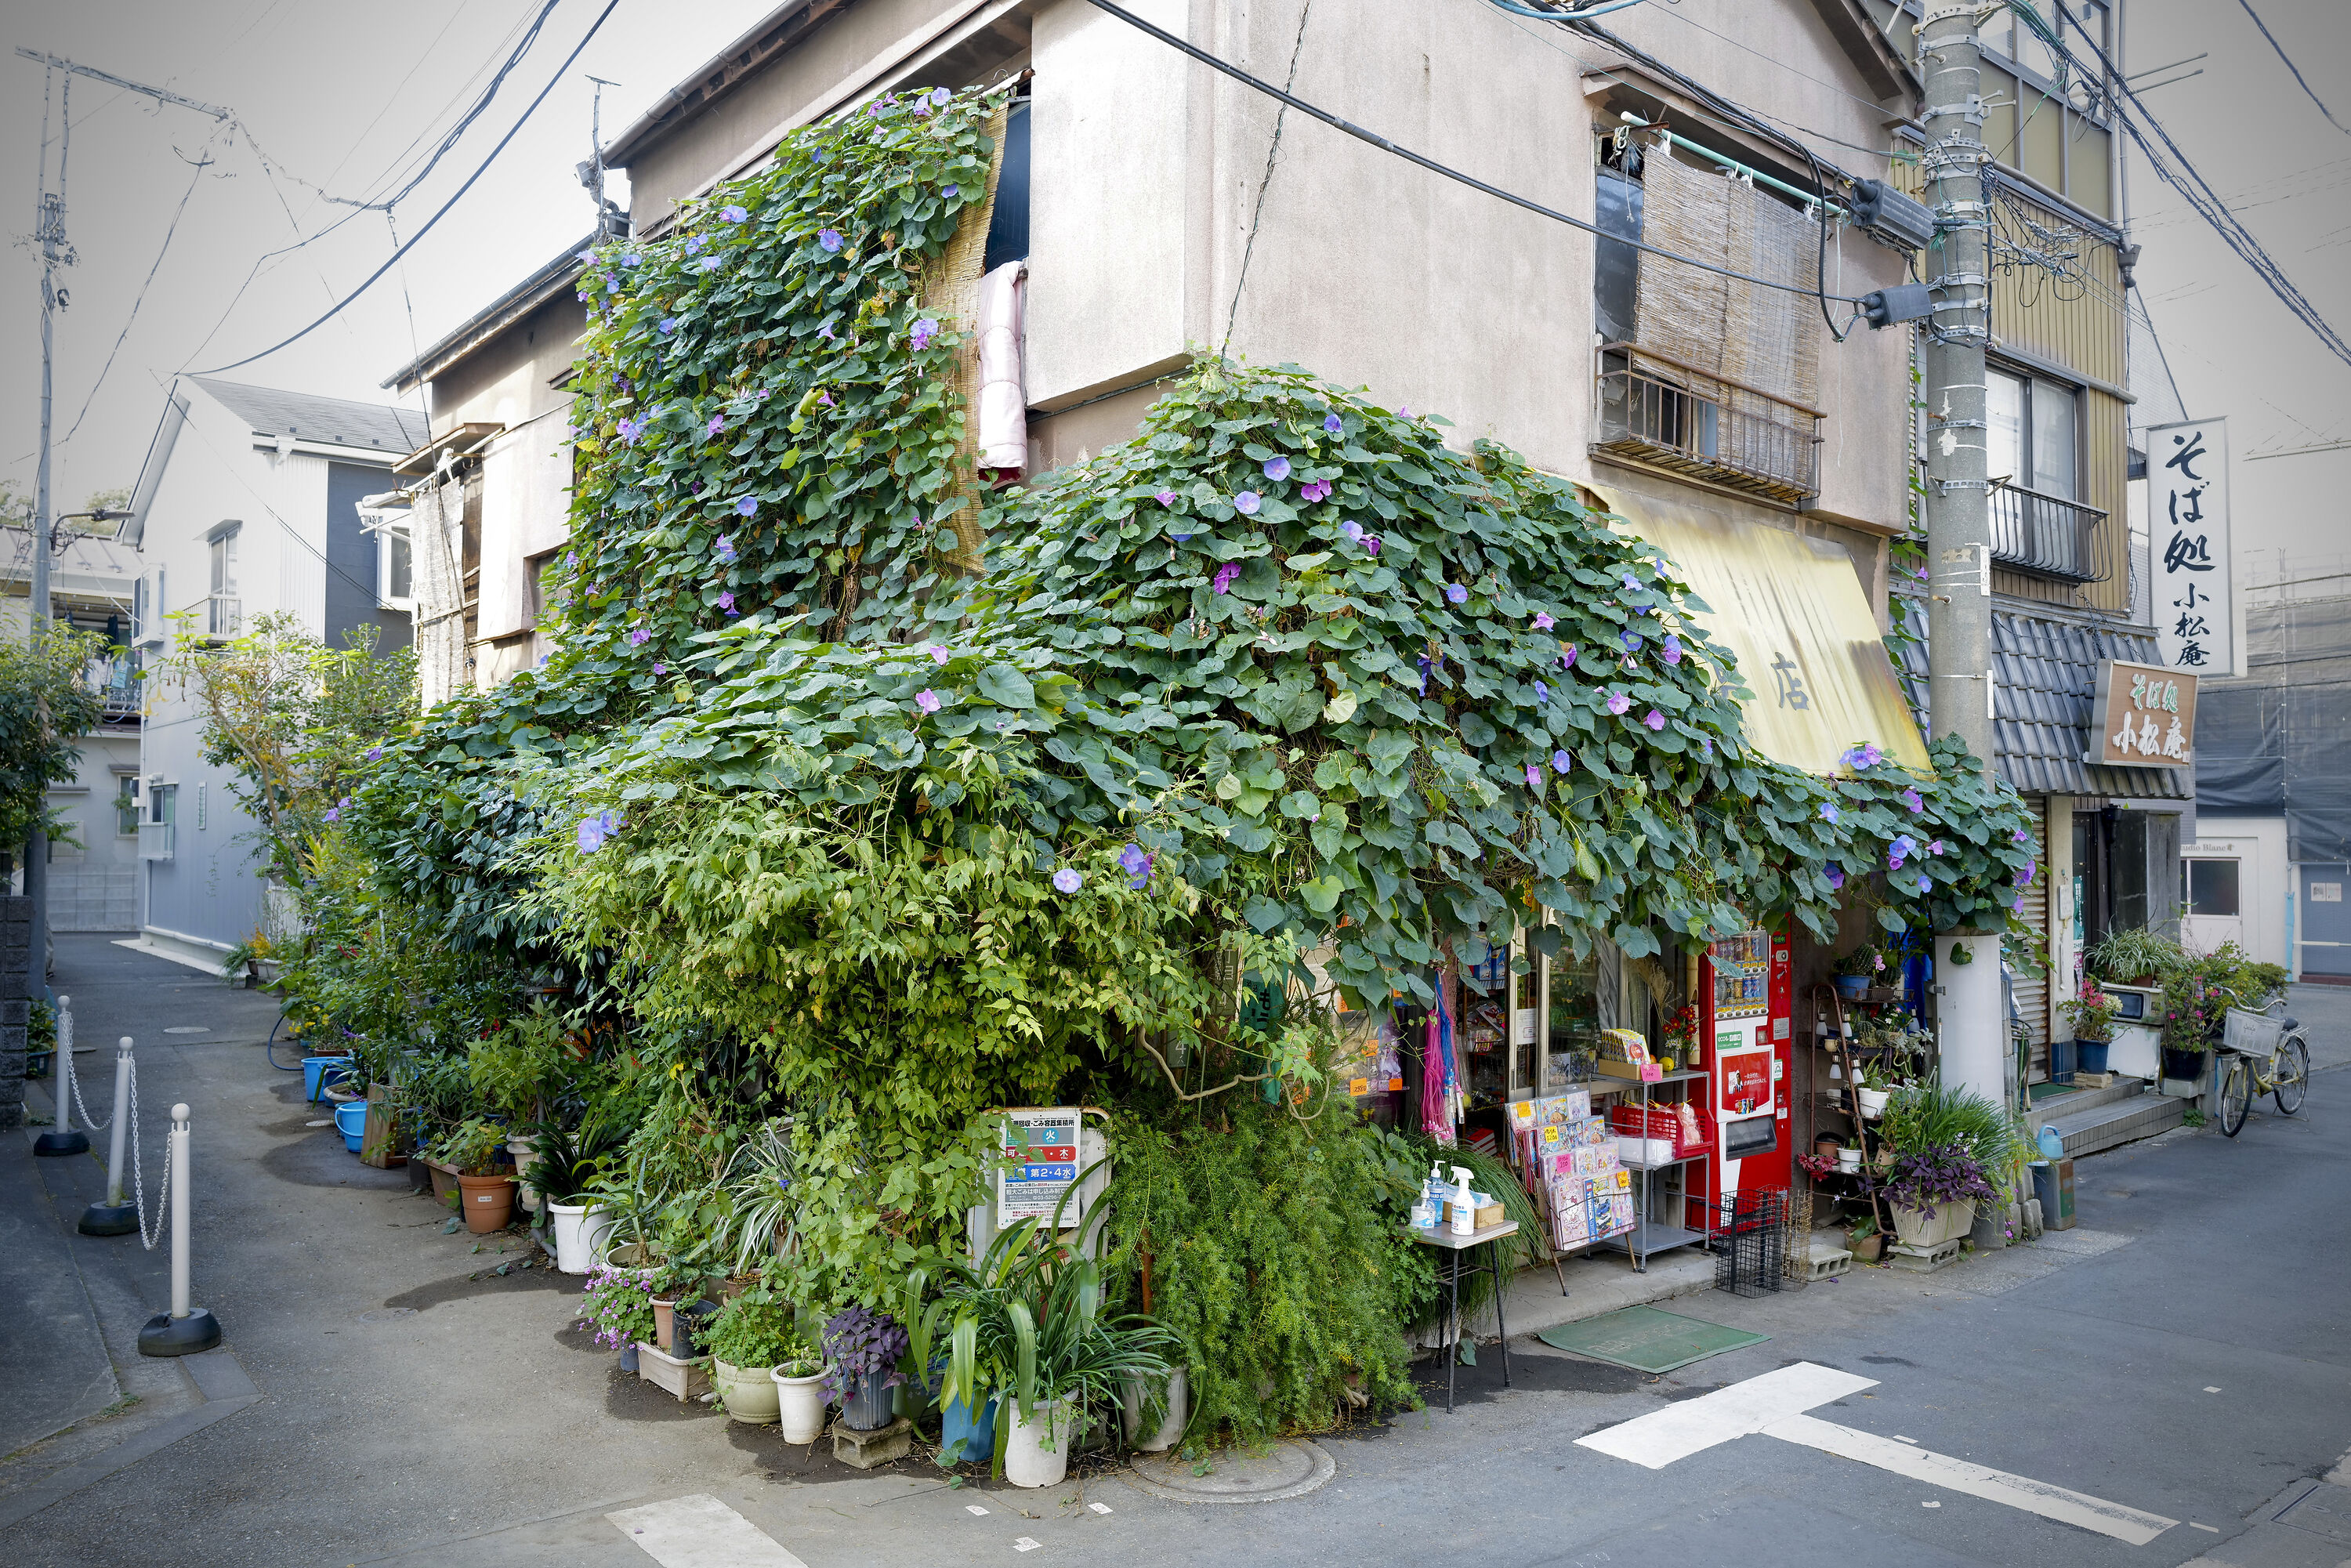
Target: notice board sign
x: 2145, y: 717
x: 1040, y: 1155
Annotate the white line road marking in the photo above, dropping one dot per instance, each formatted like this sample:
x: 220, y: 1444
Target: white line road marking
x: 1900, y: 1438
x: 699, y: 1532
x: 1930, y: 1505
x: 2126, y: 1524
x: 973, y: 1508
x: 2207, y: 1529
x: 1676, y: 1432
x: 1099, y: 1507
x: 1026, y: 1544
x: 2209, y: 1390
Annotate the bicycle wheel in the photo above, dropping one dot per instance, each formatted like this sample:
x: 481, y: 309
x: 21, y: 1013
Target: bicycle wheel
x: 2290, y: 1068
x: 2236, y: 1093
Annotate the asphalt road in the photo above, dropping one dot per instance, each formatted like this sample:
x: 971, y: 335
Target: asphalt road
x: 2183, y: 1353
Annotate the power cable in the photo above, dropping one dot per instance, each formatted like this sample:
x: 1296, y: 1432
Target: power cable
x: 1226, y: 67
x: 609, y: 7
x: 2296, y: 69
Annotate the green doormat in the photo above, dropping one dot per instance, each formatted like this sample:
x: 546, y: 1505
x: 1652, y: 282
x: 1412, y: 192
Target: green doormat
x: 1646, y: 1338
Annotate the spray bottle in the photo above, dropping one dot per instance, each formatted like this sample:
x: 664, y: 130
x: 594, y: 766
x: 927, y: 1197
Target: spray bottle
x: 1463, y: 1203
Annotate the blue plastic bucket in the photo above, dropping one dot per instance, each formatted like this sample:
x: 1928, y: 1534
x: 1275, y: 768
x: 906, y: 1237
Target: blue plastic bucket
x: 319, y: 1071
x: 977, y: 1437
x: 350, y: 1121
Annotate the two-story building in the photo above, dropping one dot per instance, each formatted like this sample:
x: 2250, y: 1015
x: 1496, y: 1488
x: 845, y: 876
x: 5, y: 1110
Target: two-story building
x: 256, y: 510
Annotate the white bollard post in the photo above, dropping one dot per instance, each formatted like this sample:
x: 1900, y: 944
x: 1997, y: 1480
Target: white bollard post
x: 63, y: 1139
x: 114, y: 1217
x: 184, y: 1329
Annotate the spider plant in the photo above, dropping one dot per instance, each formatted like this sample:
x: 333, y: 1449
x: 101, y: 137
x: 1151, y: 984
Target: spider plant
x: 757, y: 1198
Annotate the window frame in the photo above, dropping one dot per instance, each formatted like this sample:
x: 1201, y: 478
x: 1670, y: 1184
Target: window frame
x: 2027, y: 461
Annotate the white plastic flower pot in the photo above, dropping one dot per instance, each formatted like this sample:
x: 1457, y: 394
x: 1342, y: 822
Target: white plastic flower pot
x: 800, y: 1404
x: 1872, y: 1102
x: 580, y: 1232
x: 749, y: 1393
x: 1028, y: 1462
x: 1170, y: 1431
x: 1848, y: 1159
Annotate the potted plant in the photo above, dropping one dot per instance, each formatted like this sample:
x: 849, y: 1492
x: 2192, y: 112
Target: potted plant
x: 2195, y: 1010
x: 751, y: 1333
x: 1028, y: 1328
x: 864, y: 1347
x: 1873, y: 1100
x: 2141, y: 957
x: 565, y: 1167
x: 1864, y: 1240
x: 2091, y: 1012
x: 620, y: 1303
x: 800, y: 1379
x: 486, y: 1193
x: 1947, y: 1146
x: 1857, y: 970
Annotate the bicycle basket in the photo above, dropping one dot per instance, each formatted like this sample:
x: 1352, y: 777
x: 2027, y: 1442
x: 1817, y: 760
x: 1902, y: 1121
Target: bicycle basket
x: 2254, y: 1034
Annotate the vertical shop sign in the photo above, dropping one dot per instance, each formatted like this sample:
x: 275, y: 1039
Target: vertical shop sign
x: 2189, y: 562
x: 1040, y: 1164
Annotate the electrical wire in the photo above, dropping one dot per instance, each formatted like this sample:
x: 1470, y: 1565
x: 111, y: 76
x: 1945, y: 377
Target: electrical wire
x: 2296, y: 69
x: 1226, y: 67
x: 427, y: 228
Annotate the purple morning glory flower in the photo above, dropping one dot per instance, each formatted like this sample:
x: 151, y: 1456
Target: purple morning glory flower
x: 825, y: 332
x: 1632, y: 583
x: 928, y: 700
x: 1618, y: 702
x: 1903, y: 845
x: 749, y: 506
x: 1456, y: 594
x: 1535, y: 776
x: 1567, y: 660
x: 1425, y: 667
x: 668, y: 325
x: 593, y: 831
x: 1068, y: 881
x: 1544, y: 622
x: 1935, y: 848
x: 733, y: 215
x: 829, y: 238
x: 1631, y: 640
x: 724, y: 547
x: 717, y: 422
x: 1835, y: 873
x: 2020, y: 836
x: 1318, y: 490
x: 707, y: 264
x: 1179, y: 538
x: 1352, y: 530
x: 630, y: 259
x: 925, y: 330
x: 1828, y: 810
x: 825, y: 399
x: 941, y: 97
x: 1247, y: 503
x: 1655, y: 719
x: 693, y: 244
x: 1371, y: 544
x: 1912, y: 799
x: 1225, y: 575
x: 727, y: 600
x: 950, y: 192
x: 658, y: 669
x: 1706, y: 746
x: 1673, y: 649
x: 938, y: 655
x: 1542, y: 693
x: 1894, y: 862
x: 589, y: 257
x: 1277, y: 467
x: 638, y: 637
x: 1927, y: 884
x: 1331, y: 423
x: 334, y: 813
x: 375, y: 754
x: 571, y: 558
x: 2031, y: 868
x: 1136, y: 861
x: 1165, y: 498
x: 1561, y: 763
x: 630, y: 429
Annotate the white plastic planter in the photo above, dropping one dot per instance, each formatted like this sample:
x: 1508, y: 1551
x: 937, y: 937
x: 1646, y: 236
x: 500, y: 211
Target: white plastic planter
x: 1872, y: 1102
x: 1027, y: 1461
x: 1170, y: 1431
x: 749, y: 1393
x: 580, y: 1232
x: 800, y: 1403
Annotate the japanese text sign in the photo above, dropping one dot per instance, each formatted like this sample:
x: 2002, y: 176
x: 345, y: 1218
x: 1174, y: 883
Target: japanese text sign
x: 2188, y: 564
x: 1041, y: 1154
x: 2145, y: 717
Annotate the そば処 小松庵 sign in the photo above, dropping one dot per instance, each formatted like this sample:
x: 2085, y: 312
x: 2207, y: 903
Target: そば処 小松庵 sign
x: 2145, y: 717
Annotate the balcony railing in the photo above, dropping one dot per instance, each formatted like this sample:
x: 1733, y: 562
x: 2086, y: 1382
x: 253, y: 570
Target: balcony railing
x: 1665, y: 414
x: 2048, y: 535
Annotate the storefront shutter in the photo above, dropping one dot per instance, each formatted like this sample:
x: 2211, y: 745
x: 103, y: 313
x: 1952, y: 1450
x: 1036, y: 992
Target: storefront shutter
x: 2032, y: 990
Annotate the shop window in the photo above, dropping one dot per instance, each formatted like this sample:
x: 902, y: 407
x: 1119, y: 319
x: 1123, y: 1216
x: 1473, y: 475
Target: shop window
x: 2209, y: 887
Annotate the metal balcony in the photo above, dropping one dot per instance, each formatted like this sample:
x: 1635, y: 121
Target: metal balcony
x: 2048, y: 535
x: 1664, y: 414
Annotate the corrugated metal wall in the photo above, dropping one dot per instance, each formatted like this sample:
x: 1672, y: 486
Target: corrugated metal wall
x: 2032, y: 990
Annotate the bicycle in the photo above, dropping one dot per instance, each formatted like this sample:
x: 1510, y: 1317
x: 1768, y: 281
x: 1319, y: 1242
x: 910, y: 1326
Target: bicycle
x: 2266, y: 1055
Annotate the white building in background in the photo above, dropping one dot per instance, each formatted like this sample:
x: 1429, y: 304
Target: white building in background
x: 252, y: 508
x: 94, y: 877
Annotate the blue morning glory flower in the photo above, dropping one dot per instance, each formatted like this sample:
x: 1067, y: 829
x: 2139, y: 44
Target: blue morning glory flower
x: 1277, y: 467
x: 1331, y: 423
x: 749, y: 506
x: 829, y: 238
x: 1457, y: 594
x: 733, y: 215
x: 1068, y: 881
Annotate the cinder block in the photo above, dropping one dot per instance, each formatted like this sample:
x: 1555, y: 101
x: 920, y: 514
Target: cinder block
x: 1923, y: 1259
x: 1829, y: 1265
x: 866, y: 1451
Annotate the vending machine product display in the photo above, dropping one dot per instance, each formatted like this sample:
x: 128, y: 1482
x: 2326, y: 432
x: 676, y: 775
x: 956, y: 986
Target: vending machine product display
x: 1744, y: 996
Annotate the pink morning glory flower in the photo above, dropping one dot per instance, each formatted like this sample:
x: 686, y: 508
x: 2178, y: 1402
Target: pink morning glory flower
x: 1561, y: 763
x: 1165, y: 498
x: 1068, y: 881
x: 1618, y: 702
x: 1912, y: 799
x: 1935, y: 848
x: 1277, y: 467
x: 749, y: 506
x: 928, y: 700
x: 1247, y: 503
x: 829, y: 238
x: 1544, y: 622
x: 938, y: 654
x: 1318, y: 490
x: 1655, y: 719
x: 1330, y: 423
x: 1456, y: 594
x: 1225, y: 575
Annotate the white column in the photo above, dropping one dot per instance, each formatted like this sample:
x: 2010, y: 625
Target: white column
x: 120, y: 1127
x: 1972, y: 1036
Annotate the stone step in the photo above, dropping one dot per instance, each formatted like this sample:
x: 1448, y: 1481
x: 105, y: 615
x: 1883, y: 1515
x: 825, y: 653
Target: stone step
x: 2081, y: 1100
x: 2115, y: 1122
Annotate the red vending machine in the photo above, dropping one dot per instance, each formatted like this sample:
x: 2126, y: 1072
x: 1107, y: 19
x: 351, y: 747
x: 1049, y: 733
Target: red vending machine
x: 1745, y: 994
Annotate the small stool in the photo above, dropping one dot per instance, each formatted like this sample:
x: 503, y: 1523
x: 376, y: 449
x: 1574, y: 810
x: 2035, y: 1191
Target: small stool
x: 1457, y: 1245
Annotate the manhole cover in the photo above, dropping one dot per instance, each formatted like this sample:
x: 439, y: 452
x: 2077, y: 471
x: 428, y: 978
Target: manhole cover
x: 187, y: 1029
x: 1284, y: 1470
x: 385, y: 1314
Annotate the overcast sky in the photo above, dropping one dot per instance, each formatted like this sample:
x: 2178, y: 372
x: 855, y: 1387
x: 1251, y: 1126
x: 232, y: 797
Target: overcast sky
x: 341, y: 97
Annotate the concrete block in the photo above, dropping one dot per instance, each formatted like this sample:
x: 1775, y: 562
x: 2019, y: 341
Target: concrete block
x: 1828, y: 1265
x: 866, y: 1450
x: 1923, y: 1259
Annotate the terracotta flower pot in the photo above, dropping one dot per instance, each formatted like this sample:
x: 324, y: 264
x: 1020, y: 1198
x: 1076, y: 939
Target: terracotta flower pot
x: 489, y: 1202
x: 664, y: 1312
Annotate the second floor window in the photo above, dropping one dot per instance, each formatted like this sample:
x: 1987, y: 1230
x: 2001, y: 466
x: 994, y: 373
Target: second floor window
x: 2032, y: 439
x: 222, y: 612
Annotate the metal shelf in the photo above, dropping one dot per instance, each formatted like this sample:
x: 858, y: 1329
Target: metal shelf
x: 1658, y: 1238
x: 1663, y: 1164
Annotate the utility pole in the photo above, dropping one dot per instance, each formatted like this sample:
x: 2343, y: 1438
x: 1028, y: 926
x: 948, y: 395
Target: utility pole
x: 49, y: 231
x: 1974, y: 1023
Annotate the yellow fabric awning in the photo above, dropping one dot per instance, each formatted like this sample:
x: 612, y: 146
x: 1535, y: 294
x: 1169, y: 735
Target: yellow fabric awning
x: 1792, y: 613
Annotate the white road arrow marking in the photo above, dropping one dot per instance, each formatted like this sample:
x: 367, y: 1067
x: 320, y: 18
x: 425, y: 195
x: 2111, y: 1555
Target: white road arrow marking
x: 1774, y: 1406
x: 699, y: 1532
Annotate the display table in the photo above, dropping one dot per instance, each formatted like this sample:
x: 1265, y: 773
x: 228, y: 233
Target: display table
x: 1443, y: 1236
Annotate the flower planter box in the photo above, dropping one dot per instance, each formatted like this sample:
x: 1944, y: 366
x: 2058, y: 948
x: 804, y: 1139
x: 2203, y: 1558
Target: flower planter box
x: 686, y: 1379
x: 1950, y: 1221
x: 376, y: 1136
x: 445, y: 1177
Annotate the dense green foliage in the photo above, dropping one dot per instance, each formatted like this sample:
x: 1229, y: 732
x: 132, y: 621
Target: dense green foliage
x: 47, y: 702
